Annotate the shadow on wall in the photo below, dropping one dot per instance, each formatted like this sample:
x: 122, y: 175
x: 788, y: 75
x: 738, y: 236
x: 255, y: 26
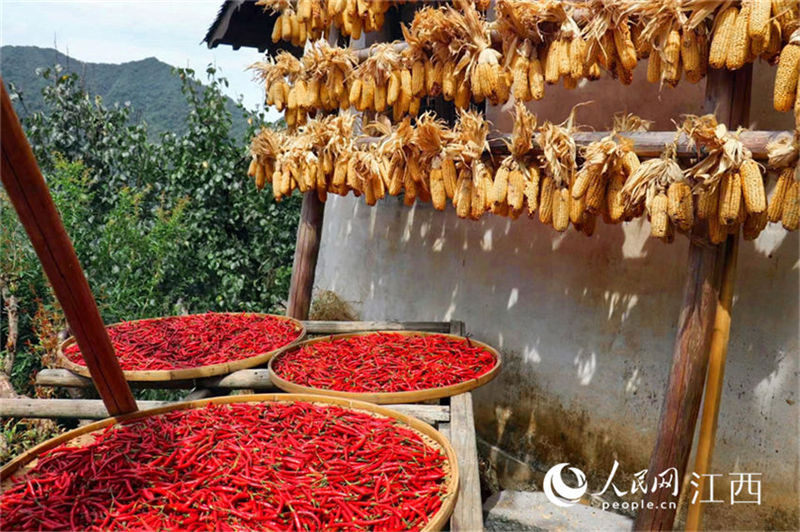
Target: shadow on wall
x: 586, y: 325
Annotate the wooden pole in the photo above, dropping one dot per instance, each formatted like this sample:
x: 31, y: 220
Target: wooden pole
x: 727, y: 94
x: 716, y: 376
x: 31, y: 198
x: 309, y: 233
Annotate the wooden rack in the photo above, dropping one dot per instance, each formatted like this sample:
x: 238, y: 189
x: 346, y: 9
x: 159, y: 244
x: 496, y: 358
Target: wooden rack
x: 453, y: 416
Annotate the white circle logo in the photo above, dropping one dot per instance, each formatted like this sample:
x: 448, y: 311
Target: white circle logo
x: 559, y: 493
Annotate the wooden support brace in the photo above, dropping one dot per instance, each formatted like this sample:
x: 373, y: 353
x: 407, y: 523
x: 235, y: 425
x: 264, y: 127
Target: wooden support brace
x: 727, y: 93
x: 31, y: 199
x: 309, y: 233
x: 94, y: 409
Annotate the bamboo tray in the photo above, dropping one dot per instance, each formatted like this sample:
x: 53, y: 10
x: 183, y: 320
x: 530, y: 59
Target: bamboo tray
x: 386, y: 398
x: 199, y: 372
x: 430, y: 436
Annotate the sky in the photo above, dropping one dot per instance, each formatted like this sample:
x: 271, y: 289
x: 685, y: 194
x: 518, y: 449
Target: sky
x: 118, y: 31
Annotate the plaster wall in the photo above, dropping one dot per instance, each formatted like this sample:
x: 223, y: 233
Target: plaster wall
x: 587, y: 325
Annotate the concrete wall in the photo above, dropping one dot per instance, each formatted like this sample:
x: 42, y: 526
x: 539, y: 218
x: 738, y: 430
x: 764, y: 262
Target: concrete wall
x: 587, y: 325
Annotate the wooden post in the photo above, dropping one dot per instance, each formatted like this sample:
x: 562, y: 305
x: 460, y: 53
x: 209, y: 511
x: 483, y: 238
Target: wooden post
x: 28, y: 193
x: 727, y: 93
x: 309, y: 233
x: 716, y: 376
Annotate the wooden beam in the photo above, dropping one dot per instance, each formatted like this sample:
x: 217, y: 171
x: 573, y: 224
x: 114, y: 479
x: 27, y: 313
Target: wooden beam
x: 727, y: 93
x: 337, y: 327
x: 309, y: 233
x: 468, y: 513
x: 645, y: 144
x: 31, y: 199
x: 256, y: 379
x: 94, y: 409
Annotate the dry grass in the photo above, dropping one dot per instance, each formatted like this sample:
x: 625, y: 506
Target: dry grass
x: 328, y: 306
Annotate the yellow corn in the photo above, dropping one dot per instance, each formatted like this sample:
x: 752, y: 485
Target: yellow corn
x: 532, y: 189
x: 739, y: 44
x: 478, y: 199
x: 772, y: 50
x: 596, y: 194
x: 577, y: 57
x: 380, y: 98
x: 449, y: 177
x: 576, y: 210
x: 659, y: 220
x: 546, y: 200
x: 615, y: 205
x: 583, y: 178
x: 462, y: 96
x: 536, y: 77
x: 594, y: 73
x: 438, y: 194
x: 730, y: 196
x: 516, y: 190
x: 680, y: 207
x: 448, y: 81
x: 775, y: 207
x: 564, y: 61
x: 551, y: 62
x: 629, y: 163
x: 654, y: 67
x: 393, y: 91
x: 755, y: 198
x: 723, y: 34
x: 277, y: 29
x: 607, y: 55
x: 410, y: 191
x: 417, y: 77
x: 355, y: 93
x: 790, y: 219
x: 759, y: 23
x: 786, y: 12
x: 786, y: 78
x: 690, y: 56
x: 672, y: 57
x: 499, y: 189
x: 521, y: 87
x: 626, y: 50
x: 560, y: 209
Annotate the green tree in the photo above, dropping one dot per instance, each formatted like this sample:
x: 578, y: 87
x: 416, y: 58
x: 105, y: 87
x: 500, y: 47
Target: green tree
x: 160, y: 227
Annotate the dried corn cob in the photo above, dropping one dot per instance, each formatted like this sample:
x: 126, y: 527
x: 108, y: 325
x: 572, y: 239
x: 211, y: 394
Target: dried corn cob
x: 775, y: 207
x: 790, y: 217
x: 730, y: 196
x: 786, y: 77
x: 680, y: 206
x: 752, y: 187
x: 758, y: 28
x: 739, y: 44
x: 723, y: 37
x: 659, y: 219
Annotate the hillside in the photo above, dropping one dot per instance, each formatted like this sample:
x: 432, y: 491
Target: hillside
x: 149, y: 85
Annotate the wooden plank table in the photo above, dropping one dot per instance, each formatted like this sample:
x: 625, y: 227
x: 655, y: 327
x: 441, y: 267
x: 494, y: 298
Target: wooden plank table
x: 452, y: 416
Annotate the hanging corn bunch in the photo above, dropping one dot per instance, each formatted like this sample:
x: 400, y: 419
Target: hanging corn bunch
x: 376, y: 83
x: 784, y: 205
x: 264, y: 150
x: 516, y: 181
x: 729, y: 182
x: 473, y: 175
x: 428, y: 151
x: 522, y: 25
x: 614, y: 39
x: 329, y: 73
x: 279, y: 75
x: 564, y: 54
x: 558, y: 166
x: 607, y: 165
x: 647, y: 189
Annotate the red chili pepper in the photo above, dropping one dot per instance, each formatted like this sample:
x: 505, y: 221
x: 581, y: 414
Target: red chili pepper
x: 181, y: 342
x: 238, y: 466
x: 384, y: 362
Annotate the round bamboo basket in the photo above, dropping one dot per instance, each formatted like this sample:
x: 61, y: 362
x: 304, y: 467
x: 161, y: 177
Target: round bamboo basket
x: 199, y: 372
x: 430, y: 436
x: 386, y: 398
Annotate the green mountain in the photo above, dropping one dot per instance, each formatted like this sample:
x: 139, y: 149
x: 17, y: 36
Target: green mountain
x: 148, y: 85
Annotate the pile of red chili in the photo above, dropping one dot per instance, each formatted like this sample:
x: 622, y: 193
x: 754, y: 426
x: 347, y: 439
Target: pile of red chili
x: 384, y: 362
x: 182, y: 342
x: 272, y: 465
